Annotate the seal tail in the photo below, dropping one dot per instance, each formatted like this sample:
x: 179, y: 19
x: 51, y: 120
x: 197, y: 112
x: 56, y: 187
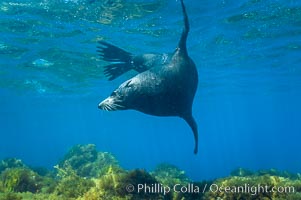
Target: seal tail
x: 122, y: 60
x: 182, y: 43
x: 193, y: 125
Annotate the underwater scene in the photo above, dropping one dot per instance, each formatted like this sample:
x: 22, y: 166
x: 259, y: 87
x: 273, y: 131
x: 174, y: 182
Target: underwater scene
x: 129, y: 99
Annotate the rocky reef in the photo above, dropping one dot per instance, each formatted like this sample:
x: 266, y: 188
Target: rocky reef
x: 86, y: 174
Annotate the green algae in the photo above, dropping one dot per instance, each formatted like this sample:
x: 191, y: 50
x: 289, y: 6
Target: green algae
x: 170, y: 175
x: 21, y: 180
x: 86, y: 174
x: 10, y: 196
x: 10, y: 163
x: 73, y: 186
x: 257, y: 186
x: 87, y: 162
x: 113, y: 185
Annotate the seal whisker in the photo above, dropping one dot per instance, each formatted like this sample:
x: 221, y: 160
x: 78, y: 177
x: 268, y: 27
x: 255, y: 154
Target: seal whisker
x: 105, y: 108
x: 118, y: 106
x: 117, y: 100
x: 110, y: 107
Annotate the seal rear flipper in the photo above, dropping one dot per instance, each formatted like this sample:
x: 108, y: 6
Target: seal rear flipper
x: 111, y: 53
x: 122, y: 59
x: 191, y: 122
x: 182, y: 49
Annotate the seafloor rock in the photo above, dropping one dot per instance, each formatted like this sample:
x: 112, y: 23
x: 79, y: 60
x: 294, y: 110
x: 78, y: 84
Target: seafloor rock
x: 275, y: 172
x: 255, y: 187
x: 10, y: 196
x: 87, y: 162
x: 20, y: 179
x: 16, y: 178
x: 10, y: 163
x: 241, y: 172
x: 119, y: 184
x: 73, y: 186
x: 170, y: 175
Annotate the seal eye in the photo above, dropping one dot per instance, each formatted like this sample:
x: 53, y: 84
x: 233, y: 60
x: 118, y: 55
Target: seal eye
x: 128, y: 83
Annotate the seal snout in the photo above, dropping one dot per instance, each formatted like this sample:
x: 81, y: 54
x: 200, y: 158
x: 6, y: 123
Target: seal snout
x: 110, y: 104
x: 102, y: 105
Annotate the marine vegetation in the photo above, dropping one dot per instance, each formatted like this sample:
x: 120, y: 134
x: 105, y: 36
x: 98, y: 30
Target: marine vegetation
x: 86, y: 174
x: 170, y: 175
x: 114, y: 185
x: 10, y: 163
x: 73, y: 186
x: 241, y: 172
x: 87, y: 162
x: 257, y: 185
x: 21, y: 180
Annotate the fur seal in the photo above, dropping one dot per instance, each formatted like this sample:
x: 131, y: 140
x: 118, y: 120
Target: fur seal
x: 165, y: 86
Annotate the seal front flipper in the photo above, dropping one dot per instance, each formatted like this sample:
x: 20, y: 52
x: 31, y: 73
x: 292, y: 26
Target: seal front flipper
x: 193, y: 125
x: 181, y: 51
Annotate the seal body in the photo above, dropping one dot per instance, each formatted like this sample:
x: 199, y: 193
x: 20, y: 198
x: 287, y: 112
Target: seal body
x: 166, y: 87
x: 162, y: 90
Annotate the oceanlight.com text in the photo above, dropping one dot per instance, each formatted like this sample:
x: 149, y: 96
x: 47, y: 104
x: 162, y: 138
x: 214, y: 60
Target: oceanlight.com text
x: 158, y: 188
x: 251, y: 189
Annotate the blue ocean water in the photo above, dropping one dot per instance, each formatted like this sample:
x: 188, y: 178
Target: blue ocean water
x: 247, y: 106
